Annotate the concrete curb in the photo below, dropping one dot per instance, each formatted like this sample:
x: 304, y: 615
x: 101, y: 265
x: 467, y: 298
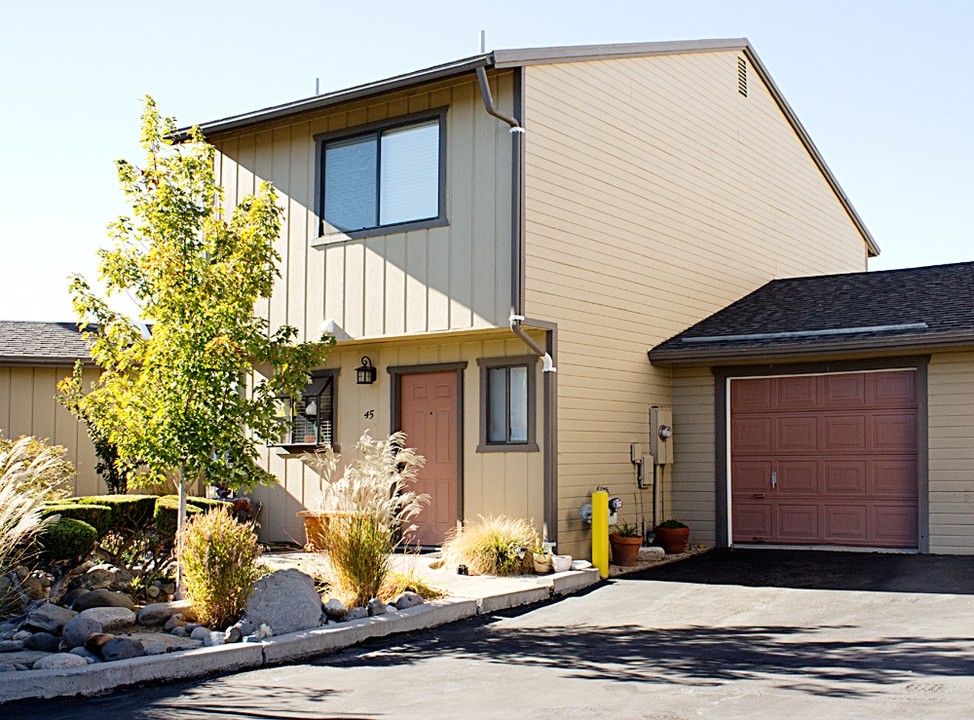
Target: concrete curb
x: 104, y: 677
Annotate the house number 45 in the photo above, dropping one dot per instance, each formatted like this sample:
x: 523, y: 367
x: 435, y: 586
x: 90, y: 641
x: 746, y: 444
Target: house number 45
x: 368, y: 414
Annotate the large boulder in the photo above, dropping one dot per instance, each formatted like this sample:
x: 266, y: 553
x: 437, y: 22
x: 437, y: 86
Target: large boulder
x: 286, y: 601
x: 48, y: 618
x: 159, y: 613
x: 76, y: 631
x: 112, y: 619
x: 59, y: 662
x: 102, y: 598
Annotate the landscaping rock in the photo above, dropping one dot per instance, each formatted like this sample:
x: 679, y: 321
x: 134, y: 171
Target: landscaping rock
x: 111, y: 618
x: 214, y: 638
x: 8, y: 627
x: 48, y: 618
x: 285, y: 600
x: 156, y: 648
x: 199, y: 632
x: 59, y: 661
x: 89, y: 656
x: 33, y: 587
x: 121, y: 648
x: 71, y: 596
x: 356, y: 614
x: 159, y: 613
x: 11, y: 645
x: 103, y: 598
x: 335, y: 609
x: 7, y: 667
x: 45, y: 642
x: 376, y: 607
x: 181, y: 631
x: 76, y: 631
x: 170, y: 642
x: 96, y: 642
x: 104, y: 576
x: 232, y: 635
x: 245, y: 626
x: 21, y: 635
x: 174, y: 621
x: 153, y: 591
x: 407, y: 600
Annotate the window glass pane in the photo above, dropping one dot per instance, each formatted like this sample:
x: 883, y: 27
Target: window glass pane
x: 519, y: 404
x: 410, y: 179
x: 350, y: 193
x: 497, y: 405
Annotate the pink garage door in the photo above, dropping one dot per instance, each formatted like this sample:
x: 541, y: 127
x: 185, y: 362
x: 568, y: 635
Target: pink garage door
x: 825, y: 459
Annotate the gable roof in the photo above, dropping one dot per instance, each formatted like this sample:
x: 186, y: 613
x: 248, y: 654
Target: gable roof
x: 923, y: 307
x: 41, y: 343
x: 546, y: 55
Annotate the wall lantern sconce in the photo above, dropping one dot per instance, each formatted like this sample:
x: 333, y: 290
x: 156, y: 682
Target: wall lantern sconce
x: 365, y: 373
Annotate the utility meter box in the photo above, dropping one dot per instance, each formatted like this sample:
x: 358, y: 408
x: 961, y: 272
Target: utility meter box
x: 661, y: 434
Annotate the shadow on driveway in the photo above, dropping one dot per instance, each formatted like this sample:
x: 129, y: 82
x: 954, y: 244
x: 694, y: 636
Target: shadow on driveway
x: 814, y: 569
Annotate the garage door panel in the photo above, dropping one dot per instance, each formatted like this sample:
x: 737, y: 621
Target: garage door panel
x: 845, y: 523
x: 795, y: 393
x: 843, y: 391
x: 751, y: 476
x: 751, y: 435
x: 893, y: 432
x: 843, y: 433
x: 892, y: 477
x: 798, y: 523
x: 752, y: 395
x: 798, y: 477
x: 843, y: 448
x: 845, y: 477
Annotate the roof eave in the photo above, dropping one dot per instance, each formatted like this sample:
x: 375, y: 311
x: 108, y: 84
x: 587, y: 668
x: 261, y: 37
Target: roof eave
x: 43, y: 361
x: 519, y: 57
x: 727, y: 356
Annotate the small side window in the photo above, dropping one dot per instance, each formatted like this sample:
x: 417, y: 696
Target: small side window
x: 309, y: 420
x: 507, y: 404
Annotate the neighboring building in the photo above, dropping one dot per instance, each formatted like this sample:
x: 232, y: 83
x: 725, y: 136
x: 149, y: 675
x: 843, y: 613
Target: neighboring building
x: 831, y: 411
x: 643, y: 188
x: 34, y: 358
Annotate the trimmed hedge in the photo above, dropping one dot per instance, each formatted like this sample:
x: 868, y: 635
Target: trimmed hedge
x: 128, y: 512
x: 98, y: 516
x: 166, y: 512
x: 67, y: 539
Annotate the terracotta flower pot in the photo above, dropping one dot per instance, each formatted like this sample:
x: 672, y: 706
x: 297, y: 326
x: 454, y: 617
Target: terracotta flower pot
x: 542, y: 563
x: 624, y: 549
x: 672, y: 540
x: 315, y: 524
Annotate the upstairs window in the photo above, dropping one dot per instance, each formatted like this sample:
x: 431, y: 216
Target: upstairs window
x: 309, y: 419
x: 387, y: 177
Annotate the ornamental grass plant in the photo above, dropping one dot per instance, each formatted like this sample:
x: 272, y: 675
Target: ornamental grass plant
x: 221, y: 562
x: 369, y: 509
x: 491, y: 545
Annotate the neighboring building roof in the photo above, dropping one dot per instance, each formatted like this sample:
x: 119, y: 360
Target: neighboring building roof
x: 915, y: 308
x: 536, y: 56
x: 41, y: 343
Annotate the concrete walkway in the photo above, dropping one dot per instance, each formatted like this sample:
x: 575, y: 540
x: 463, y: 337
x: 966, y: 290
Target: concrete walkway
x: 469, y: 597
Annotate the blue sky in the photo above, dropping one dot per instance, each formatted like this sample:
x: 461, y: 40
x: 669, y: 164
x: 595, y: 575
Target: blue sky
x: 883, y: 87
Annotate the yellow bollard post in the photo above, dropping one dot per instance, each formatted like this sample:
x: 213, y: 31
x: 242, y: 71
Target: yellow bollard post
x: 600, y: 531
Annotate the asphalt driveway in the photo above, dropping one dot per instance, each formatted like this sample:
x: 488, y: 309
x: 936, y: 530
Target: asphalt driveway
x: 689, y: 640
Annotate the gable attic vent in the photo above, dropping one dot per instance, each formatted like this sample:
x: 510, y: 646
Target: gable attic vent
x: 742, y: 76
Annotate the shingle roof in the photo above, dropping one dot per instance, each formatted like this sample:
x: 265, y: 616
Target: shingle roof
x: 923, y: 307
x: 41, y: 343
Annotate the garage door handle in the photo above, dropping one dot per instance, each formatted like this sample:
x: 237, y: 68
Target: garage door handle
x: 758, y: 495
x: 774, y: 479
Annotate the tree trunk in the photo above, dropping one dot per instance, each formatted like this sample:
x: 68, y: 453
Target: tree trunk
x: 180, y: 523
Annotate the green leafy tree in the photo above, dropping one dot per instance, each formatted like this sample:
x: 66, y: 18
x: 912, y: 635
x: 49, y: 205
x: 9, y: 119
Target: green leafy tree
x: 189, y: 400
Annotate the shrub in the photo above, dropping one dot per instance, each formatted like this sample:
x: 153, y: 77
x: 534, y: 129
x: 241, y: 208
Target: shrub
x: 129, y: 513
x: 396, y: 584
x: 22, y: 494
x: 491, y: 545
x: 369, y: 509
x: 98, y: 516
x: 671, y: 525
x: 166, y: 515
x: 67, y: 540
x: 220, y: 561
x: 56, y: 473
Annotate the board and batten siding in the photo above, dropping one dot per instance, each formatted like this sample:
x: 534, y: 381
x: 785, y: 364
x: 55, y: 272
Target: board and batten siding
x: 28, y: 407
x: 449, y: 278
x: 950, y: 427
x: 656, y: 194
x: 494, y: 483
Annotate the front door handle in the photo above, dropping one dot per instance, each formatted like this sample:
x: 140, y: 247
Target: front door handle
x: 774, y: 479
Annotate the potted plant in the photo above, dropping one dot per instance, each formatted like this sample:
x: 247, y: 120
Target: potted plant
x: 672, y: 536
x: 625, y: 540
x: 542, y: 557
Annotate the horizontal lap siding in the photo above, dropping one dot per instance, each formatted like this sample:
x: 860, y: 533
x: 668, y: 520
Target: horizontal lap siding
x: 950, y: 382
x: 656, y: 195
x: 28, y: 407
x: 448, y: 278
x: 689, y: 495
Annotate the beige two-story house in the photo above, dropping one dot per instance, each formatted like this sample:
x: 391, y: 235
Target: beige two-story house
x: 497, y: 241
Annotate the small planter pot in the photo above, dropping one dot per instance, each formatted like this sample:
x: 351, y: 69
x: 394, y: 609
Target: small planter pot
x: 624, y: 549
x: 542, y: 563
x: 561, y: 563
x: 315, y: 524
x: 672, y: 540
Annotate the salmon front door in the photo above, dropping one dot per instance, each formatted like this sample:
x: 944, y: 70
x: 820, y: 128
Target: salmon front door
x: 428, y: 415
